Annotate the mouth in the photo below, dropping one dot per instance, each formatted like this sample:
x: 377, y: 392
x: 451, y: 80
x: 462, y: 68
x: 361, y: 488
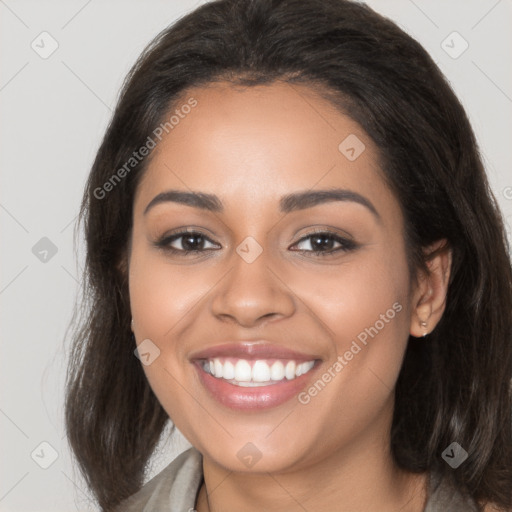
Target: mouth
x: 246, y: 373
x: 241, y: 377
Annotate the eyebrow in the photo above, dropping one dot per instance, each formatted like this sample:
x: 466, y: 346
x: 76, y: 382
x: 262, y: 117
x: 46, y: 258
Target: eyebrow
x: 288, y: 203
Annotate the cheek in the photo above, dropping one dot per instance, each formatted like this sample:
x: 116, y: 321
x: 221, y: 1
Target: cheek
x: 352, y: 296
x: 364, y: 306
x: 165, y: 301
x: 162, y: 294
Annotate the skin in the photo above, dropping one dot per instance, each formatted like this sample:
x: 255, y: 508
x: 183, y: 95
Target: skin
x: 251, y: 146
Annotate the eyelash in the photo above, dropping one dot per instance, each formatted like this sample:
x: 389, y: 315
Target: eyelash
x: 346, y: 245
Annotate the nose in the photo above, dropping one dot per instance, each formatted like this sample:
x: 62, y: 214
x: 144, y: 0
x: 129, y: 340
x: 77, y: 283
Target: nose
x: 252, y: 293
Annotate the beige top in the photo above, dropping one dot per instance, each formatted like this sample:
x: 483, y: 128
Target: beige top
x: 175, y: 489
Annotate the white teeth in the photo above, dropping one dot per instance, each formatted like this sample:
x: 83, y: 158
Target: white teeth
x: 289, y: 370
x: 277, y: 371
x: 304, y: 368
x: 218, y: 368
x: 261, y: 373
x: 229, y: 370
x: 243, y: 371
x: 308, y: 366
x: 254, y: 384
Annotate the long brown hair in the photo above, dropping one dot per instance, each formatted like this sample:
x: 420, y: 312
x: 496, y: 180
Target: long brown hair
x: 455, y: 385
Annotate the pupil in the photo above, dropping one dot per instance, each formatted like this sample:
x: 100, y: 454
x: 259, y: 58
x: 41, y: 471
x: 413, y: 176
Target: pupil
x: 188, y: 242
x: 321, y: 242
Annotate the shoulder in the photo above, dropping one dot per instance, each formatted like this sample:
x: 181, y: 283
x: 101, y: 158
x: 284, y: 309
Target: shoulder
x: 177, y: 485
x: 491, y: 507
x: 443, y: 496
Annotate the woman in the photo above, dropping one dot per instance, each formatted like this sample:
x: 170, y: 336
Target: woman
x: 294, y: 255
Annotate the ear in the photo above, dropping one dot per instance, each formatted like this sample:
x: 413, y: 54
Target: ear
x: 429, y: 297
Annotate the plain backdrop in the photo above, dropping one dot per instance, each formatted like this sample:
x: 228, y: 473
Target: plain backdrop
x: 54, y: 111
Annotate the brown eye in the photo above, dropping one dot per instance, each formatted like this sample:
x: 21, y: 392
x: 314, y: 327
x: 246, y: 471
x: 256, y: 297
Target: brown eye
x: 324, y: 243
x: 186, y: 242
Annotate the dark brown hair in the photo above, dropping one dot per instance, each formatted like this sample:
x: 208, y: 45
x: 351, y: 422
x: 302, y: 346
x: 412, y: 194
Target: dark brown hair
x: 455, y: 385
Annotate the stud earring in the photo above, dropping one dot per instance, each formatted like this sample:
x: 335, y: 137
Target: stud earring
x: 424, y: 325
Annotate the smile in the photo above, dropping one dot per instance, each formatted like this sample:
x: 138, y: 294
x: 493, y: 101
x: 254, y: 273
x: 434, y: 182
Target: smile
x: 253, y: 375
x: 258, y: 373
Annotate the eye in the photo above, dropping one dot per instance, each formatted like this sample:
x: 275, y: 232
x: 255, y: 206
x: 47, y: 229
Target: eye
x: 324, y: 243
x: 186, y: 242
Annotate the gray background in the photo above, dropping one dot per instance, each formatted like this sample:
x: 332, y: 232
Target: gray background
x: 54, y: 113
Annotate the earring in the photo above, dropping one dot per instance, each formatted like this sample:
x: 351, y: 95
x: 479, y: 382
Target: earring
x: 424, y: 325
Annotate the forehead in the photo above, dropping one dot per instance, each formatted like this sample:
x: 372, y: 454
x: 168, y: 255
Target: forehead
x: 245, y: 143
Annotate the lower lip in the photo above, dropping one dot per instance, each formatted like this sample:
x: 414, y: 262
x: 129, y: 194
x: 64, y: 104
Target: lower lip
x: 261, y: 397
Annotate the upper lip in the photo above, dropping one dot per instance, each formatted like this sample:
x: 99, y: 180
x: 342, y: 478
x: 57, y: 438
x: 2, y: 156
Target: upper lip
x: 252, y: 350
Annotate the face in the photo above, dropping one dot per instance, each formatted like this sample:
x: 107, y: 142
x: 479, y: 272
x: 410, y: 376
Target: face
x: 290, y: 283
